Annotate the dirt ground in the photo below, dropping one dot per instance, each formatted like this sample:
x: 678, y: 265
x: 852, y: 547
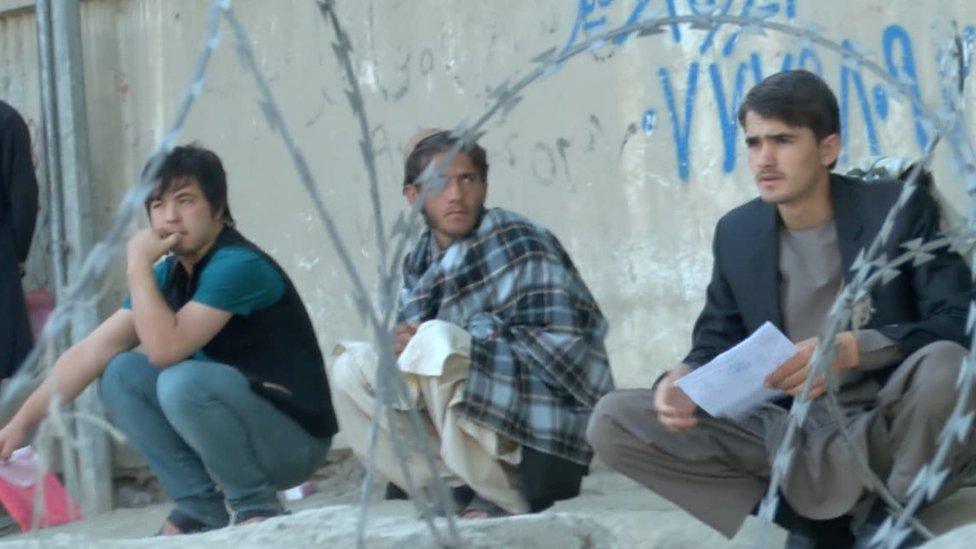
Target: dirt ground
x: 612, y: 511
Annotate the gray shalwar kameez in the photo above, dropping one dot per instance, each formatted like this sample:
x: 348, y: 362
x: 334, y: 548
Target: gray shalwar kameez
x: 719, y: 470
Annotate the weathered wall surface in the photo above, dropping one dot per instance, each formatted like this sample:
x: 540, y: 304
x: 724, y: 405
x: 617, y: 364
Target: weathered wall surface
x: 629, y: 153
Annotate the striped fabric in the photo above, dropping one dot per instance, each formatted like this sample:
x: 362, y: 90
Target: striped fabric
x: 538, y: 362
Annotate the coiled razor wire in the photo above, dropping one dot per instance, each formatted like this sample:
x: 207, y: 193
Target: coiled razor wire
x: 89, y: 281
x: 872, y: 268
x: 507, y: 98
x: 90, y: 277
x: 391, y: 387
x: 871, y: 263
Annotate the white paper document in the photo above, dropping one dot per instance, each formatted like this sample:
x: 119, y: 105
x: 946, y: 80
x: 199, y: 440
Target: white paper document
x: 732, y: 383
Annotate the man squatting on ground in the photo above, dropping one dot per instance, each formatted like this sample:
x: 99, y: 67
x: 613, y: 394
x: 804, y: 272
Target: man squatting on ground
x: 230, y: 400
x: 782, y: 258
x: 499, y: 340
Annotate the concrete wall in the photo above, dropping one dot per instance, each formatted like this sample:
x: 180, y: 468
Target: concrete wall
x: 630, y: 153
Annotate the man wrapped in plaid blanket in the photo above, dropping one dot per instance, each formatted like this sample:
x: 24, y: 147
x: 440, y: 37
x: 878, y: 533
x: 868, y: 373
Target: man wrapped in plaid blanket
x: 538, y: 364
x: 500, y: 341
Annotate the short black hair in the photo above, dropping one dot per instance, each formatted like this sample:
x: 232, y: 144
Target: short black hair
x: 436, y: 143
x: 201, y: 164
x: 798, y: 98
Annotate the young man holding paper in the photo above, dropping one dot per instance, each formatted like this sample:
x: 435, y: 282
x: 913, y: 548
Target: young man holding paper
x: 782, y: 258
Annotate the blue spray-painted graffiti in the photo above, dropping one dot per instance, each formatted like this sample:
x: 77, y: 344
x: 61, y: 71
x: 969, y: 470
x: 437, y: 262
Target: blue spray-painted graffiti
x: 903, y: 68
x: 857, y: 101
x: 681, y: 130
x: 728, y: 114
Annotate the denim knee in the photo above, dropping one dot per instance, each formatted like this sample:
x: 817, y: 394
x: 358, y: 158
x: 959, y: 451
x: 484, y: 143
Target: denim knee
x: 125, y: 374
x: 119, y: 369
x: 183, y: 385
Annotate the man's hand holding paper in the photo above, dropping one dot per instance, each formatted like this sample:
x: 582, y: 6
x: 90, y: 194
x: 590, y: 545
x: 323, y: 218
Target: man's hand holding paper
x: 731, y: 384
x: 674, y: 409
x: 790, y: 377
x: 762, y: 367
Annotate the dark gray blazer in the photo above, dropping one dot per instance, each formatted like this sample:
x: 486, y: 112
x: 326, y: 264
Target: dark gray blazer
x: 923, y: 304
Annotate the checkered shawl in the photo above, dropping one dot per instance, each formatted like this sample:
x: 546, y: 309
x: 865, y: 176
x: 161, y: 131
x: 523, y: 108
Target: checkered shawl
x: 538, y: 363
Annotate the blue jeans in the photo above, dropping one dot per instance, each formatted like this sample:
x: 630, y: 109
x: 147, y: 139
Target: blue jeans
x: 200, y: 426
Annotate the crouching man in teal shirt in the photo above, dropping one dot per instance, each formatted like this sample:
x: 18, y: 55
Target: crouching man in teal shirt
x: 230, y: 401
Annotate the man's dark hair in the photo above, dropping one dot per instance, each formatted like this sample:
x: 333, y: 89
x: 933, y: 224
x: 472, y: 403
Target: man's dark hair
x: 439, y: 142
x: 202, y: 165
x: 798, y: 98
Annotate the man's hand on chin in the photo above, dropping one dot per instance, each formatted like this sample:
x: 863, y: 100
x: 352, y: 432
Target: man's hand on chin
x: 145, y: 246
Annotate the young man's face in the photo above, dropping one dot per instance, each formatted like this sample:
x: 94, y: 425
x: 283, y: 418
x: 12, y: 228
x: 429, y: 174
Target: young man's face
x: 183, y: 209
x: 787, y: 161
x: 453, y: 212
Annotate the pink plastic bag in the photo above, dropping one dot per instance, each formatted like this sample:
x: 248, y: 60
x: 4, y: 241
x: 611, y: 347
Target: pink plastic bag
x: 17, y: 488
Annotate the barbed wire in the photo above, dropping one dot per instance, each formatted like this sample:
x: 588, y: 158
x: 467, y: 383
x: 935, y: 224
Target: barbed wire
x: 871, y: 269
x: 386, y: 397
x: 391, y: 386
x: 89, y: 280
x: 508, y: 97
x: 958, y: 429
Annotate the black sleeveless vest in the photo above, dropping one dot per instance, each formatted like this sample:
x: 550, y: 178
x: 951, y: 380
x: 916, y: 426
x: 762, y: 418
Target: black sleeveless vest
x: 274, y: 347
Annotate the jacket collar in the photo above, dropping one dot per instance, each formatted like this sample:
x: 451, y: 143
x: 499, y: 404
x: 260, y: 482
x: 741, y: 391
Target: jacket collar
x: 765, y: 258
x: 848, y: 218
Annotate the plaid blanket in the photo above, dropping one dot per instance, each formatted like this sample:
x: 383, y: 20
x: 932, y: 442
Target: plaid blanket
x: 538, y: 363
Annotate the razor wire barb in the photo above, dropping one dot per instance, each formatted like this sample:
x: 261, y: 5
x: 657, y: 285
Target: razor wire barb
x: 871, y: 268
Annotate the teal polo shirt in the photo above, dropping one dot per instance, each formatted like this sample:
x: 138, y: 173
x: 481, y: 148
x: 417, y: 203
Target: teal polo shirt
x: 236, y: 280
